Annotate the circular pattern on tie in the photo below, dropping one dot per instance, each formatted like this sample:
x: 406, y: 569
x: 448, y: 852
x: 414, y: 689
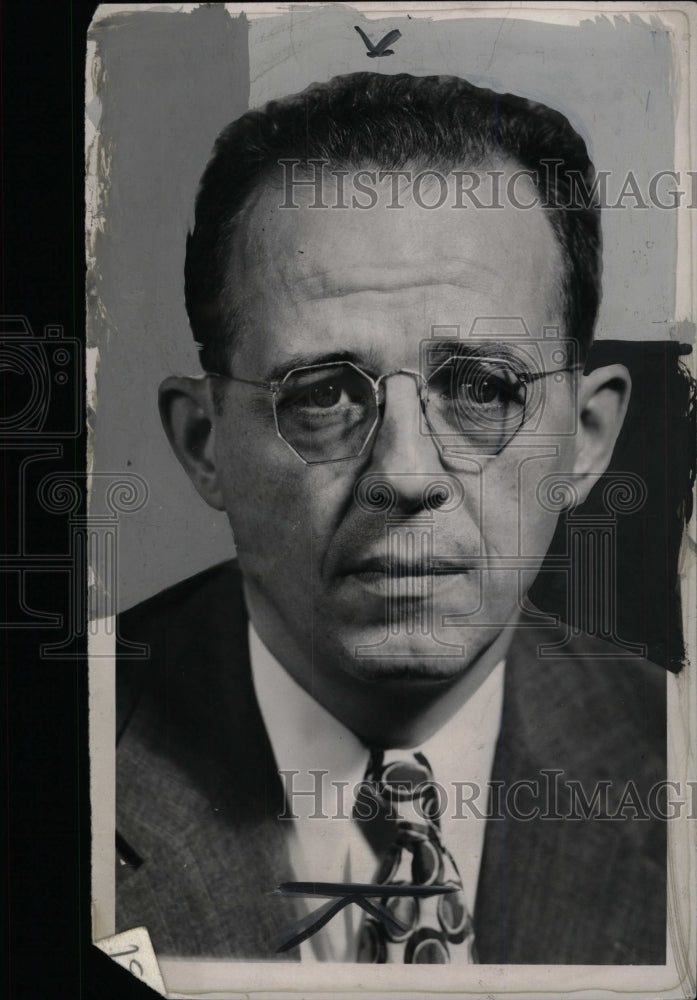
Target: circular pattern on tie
x: 454, y: 918
x: 426, y: 947
x: 402, y: 781
x: 372, y: 946
x: 430, y: 805
x: 389, y: 865
x: 406, y: 910
x: 426, y: 862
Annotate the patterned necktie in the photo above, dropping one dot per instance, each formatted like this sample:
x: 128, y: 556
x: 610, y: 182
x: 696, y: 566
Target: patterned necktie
x: 397, y: 811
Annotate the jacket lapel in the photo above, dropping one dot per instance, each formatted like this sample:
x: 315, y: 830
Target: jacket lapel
x: 197, y: 789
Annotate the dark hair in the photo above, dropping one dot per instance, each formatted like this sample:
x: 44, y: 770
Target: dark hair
x: 391, y: 122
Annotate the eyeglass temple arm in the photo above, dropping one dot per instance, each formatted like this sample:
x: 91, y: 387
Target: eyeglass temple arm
x: 534, y: 376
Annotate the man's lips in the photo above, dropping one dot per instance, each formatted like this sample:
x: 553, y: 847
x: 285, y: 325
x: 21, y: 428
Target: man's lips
x: 375, y: 567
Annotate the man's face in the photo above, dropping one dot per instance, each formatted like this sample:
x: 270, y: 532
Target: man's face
x: 372, y: 285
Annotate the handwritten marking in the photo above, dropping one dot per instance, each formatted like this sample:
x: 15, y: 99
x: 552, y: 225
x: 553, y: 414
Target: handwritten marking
x: 124, y: 948
x: 381, y: 49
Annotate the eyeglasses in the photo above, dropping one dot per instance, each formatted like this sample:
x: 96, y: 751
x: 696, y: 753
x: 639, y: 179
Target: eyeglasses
x: 328, y: 412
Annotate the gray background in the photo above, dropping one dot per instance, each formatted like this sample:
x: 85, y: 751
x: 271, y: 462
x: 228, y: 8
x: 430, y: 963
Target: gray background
x: 167, y: 82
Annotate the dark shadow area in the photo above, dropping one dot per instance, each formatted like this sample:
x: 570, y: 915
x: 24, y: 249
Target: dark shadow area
x: 657, y: 448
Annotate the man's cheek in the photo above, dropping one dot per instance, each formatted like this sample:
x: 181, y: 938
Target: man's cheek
x: 520, y: 501
x: 259, y: 488
x: 263, y: 515
x: 545, y: 490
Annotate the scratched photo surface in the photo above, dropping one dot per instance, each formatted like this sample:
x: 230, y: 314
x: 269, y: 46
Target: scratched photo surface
x: 392, y: 425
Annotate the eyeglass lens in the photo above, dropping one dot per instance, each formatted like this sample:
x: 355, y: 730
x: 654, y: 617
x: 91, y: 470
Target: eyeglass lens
x: 326, y: 413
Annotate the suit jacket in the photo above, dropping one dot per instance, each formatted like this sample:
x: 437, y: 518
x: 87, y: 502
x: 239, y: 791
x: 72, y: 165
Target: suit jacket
x: 199, y: 845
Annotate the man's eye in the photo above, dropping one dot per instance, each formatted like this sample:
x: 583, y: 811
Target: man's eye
x: 325, y: 395
x: 477, y: 384
x: 332, y: 391
x: 486, y: 389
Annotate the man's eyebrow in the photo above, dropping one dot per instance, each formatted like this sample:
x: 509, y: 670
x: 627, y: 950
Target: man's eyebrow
x: 365, y: 360
x: 501, y: 350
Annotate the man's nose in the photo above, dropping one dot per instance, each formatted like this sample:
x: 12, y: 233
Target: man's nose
x: 402, y: 441
x: 404, y: 451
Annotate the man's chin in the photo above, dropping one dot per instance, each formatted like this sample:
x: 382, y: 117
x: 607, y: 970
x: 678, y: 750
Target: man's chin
x: 401, y: 659
x: 401, y: 672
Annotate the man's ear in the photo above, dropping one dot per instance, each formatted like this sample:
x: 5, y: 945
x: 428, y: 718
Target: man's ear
x: 187, y: 411
x: 603, y: 400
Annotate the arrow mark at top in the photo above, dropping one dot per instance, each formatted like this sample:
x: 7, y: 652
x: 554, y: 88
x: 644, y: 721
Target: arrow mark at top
x: 381, y: 48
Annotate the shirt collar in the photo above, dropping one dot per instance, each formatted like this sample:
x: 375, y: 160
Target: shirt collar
x: 305, y: 737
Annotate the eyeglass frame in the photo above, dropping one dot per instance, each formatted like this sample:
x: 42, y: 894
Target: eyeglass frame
x: 275, y: 385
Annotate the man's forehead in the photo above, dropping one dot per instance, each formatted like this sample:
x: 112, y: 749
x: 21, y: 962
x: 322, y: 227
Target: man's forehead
x: 315, y: 252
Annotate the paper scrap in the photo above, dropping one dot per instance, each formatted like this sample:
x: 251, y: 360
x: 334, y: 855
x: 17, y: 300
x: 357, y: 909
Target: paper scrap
x: 134, y: 951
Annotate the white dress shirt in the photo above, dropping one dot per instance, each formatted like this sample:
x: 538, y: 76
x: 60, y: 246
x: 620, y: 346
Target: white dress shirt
x: 325, y: 843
